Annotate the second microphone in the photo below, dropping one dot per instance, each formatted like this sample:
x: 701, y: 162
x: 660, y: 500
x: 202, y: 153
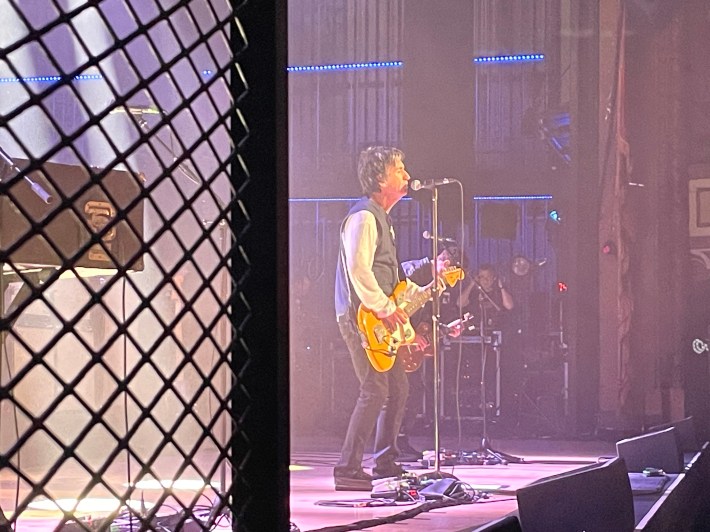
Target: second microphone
x: 429, y: 236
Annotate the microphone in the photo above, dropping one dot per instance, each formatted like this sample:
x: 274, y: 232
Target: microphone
x: 429, y: 236
x: 41, y: 193
x: 139, y: 110
x: 430, y: 183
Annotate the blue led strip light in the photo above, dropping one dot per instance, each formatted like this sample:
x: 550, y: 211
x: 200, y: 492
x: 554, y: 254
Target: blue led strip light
x: 346, y: 66
x: 519, y: 58
x: 51, y: 79
x: 509, y: 198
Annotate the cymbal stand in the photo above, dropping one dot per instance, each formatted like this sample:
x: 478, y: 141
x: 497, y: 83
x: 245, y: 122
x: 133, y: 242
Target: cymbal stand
x: 486, y: 454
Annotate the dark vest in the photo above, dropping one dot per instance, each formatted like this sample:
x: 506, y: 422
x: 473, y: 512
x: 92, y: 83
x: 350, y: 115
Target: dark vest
x: 384, y: 266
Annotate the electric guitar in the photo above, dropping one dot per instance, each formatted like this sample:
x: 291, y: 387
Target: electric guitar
x: 412, y: 355
x: 380, y: 343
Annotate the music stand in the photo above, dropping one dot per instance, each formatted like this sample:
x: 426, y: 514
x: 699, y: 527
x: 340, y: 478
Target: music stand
x: 485, y: 454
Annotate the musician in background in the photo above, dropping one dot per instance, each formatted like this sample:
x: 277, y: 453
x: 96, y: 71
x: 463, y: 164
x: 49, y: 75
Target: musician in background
x: 367, y: 273
x: 490, y: 309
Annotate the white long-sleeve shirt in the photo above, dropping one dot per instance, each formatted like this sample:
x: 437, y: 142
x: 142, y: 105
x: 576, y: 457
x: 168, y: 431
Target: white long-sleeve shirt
x: 359, y: 243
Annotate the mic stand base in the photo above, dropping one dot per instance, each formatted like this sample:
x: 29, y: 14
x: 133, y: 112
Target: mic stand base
x: 486, y: 455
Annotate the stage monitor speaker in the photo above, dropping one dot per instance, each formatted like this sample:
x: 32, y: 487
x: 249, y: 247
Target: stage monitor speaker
x: 685, y: 432
x: 655, y: 449
x: 509, y: 523
x: 499, y: 220
x: 594, y: 498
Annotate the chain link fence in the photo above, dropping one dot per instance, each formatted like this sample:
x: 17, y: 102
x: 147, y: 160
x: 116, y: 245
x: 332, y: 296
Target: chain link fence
x: 121, y: 281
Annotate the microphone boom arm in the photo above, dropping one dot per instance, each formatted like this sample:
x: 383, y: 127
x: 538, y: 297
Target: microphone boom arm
x: 42, y: 194
x: 187, y: 171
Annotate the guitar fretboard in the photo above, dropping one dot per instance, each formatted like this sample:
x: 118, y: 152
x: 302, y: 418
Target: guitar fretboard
x: 420, y: 299
x: 417, y: 302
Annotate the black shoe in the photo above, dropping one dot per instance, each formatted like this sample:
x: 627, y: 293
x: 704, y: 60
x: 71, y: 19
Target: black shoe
x: 392, y: 470
x: 407, y: 453
x: 405, y: 447
x: 405, y: 456
x: 352, y: 481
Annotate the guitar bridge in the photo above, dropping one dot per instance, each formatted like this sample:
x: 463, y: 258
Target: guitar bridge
x: 383, y: 336
x: 380, y: 333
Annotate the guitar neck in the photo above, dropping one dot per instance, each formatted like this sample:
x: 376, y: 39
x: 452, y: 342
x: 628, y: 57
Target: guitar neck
x: 417, y: 302
x: 420, y: 299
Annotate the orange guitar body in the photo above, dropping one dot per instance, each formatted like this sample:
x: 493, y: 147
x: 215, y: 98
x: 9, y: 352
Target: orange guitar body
x: 380, y: 344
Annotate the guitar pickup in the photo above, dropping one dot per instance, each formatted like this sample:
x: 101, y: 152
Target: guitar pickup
x: 380, y: 333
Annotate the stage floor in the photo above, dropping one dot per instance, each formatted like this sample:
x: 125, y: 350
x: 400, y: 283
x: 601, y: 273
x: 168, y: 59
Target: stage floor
x: 312, y: 461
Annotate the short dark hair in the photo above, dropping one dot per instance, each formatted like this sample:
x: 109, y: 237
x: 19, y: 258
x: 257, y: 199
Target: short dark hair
x: 487, y: 267
x: 371, y: 166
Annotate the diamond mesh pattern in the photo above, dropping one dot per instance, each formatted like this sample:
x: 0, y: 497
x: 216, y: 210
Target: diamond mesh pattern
x: 121, y: 271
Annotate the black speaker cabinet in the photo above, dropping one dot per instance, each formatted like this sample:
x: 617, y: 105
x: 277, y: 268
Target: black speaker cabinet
x: 509, y: 523
x: 685, y: 433
x: 655, y: 449
x: 595, y: 498
x: 84, y: 205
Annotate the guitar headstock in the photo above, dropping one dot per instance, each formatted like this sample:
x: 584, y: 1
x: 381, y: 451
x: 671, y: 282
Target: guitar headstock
x: 452, y: 275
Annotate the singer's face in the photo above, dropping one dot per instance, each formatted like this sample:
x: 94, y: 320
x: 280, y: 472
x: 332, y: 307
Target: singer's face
x: 396, y: 180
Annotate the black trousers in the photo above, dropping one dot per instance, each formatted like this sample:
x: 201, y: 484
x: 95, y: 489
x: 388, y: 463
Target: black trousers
x: 381, y: 404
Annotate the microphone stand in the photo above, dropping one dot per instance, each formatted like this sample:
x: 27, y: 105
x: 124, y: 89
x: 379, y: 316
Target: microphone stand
x: 187, y: 171
x: 435, y: 309
x: 435, y: 334
x: 485, y: 454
